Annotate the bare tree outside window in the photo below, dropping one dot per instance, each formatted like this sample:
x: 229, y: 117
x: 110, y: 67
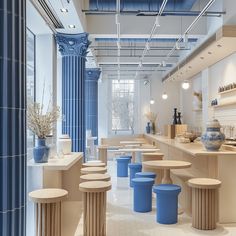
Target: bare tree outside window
x: 123, y: 105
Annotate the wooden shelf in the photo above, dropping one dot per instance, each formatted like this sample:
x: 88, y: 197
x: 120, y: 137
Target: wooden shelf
x: 224, y: 105
x: 228, y: 91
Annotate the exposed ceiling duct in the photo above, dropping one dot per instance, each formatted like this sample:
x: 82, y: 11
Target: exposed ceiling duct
x: 46, y: 10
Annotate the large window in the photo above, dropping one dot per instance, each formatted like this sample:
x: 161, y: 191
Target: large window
x: 123, y: 105
x: 30, y: 77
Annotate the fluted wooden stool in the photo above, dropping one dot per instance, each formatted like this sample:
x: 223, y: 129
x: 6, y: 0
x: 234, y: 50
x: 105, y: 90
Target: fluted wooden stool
x: 94, y: 205
x: 95, y: 177
x: 102, y: 153
x: 93, y: 164
x: 153, y: 156
x: 48, y: 210
x: 93, y: 170
x: 204, y: 202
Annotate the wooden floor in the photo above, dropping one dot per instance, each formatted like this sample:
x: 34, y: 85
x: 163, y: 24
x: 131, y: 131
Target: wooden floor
x: 122, y: 221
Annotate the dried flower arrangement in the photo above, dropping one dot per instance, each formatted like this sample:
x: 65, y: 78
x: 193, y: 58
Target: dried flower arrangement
x: 151, y: 116
x: 198, y: 95
x: 41, y: 124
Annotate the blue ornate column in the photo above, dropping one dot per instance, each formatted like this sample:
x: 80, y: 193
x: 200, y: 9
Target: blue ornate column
x: 73, y: 48
x: 12, y: 117
x: 91, y: 100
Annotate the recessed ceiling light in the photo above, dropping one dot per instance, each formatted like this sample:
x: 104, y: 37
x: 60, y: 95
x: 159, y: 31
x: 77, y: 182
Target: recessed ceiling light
x: 190, y: 67
x: 71, y: 26
x: 202, y: 58
x: 209, y: 53
x: 64, y: 10
x: 219, y: 45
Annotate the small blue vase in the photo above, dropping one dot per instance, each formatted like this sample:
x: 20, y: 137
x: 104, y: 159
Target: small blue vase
x: 41, y: 152
x: 148, y: 128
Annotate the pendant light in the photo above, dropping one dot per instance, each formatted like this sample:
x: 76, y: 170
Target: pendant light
x: 164, y: 96
x: 185, y: 85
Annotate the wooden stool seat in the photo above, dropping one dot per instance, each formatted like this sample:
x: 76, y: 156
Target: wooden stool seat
x: 95, y: 177
x: 48, y: 195
x: 93, y: 164
x: 204, y: 202
x: 93, y: 170
x: 94, y: 205
x: 204, y: 183
x: 48, y: 210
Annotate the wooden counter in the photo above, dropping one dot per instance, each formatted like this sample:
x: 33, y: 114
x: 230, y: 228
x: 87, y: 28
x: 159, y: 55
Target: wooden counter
x: 205, y: 164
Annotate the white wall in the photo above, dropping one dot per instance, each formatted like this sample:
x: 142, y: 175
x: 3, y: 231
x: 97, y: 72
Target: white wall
x: 164, y: 108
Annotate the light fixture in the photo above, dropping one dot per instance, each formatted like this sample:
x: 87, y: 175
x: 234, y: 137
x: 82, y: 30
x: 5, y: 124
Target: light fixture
x: 147, y: 46
x: 164, y: 96
x: 185, y: 40
x: 152, y: 101
x: 177, y: 46
x: 185, y: 85
x: 64, y: 10
x: 157, y: 23
x: 163, y: 64
x: 140, y: 64
x: 71, y: 26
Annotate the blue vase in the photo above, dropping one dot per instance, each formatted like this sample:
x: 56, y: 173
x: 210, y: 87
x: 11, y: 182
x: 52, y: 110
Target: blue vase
x: 41, y: 152
x: 213, y: 138
x: 148, y: 128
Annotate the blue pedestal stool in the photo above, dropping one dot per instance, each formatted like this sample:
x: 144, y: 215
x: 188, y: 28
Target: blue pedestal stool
x: 133, y: 169
x: 122, y: 166
x: 127, y: 156
x: 142, y: 194
x: 145, y: 175
x: 167, y: 203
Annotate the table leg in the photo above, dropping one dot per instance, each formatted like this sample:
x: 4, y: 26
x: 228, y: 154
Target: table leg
x: 166, y: 178
x: 133, y: 157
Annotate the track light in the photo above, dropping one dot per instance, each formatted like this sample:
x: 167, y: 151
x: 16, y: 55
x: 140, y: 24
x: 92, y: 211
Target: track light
x: 157, y: 23
x: 177, y: 46
x: 64, y: 10
x: 185, y: 85
x: 147, y: 46
x: 140, y: 64
x: 163, y: 64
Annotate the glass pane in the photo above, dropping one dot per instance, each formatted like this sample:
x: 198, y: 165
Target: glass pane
x: 30, y: 77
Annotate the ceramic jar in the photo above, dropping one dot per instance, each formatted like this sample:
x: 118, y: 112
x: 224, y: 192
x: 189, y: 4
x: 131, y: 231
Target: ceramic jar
x: 213, y: 138
x: 64, y: 144
x: 148, y: 128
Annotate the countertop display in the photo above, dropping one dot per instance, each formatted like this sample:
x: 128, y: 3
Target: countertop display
x: 64, y: 163
x: 195, y: 149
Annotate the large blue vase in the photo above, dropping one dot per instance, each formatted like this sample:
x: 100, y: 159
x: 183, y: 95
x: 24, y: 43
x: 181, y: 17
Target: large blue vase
x: 41, y: 152
x: 213, y: 138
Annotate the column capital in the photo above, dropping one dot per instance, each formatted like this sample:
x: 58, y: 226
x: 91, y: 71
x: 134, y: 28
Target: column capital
x: 73, y: 44
x: 92, y: 74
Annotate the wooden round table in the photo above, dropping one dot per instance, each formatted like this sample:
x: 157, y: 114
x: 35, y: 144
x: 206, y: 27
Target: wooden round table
x: 167, y: 165
x: 95, y: 177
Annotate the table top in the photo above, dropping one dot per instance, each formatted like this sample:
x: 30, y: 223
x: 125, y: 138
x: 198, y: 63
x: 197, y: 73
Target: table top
x: 94, y: 164
x: 64, y: 163
x: 167, y: 164
x: 132, y: 142
x: 138, y: 149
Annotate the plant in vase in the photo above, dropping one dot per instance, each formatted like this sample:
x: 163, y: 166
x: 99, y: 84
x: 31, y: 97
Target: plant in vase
x: 198, y: 101
x: 151, y: 116
x: 41, y: 124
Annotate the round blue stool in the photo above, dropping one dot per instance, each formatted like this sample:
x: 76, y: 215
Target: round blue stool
x: 122, y: 166
x: 133, y: 169
x: 167, y: 203
x: 145, y: 175
x: 142, y: 194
